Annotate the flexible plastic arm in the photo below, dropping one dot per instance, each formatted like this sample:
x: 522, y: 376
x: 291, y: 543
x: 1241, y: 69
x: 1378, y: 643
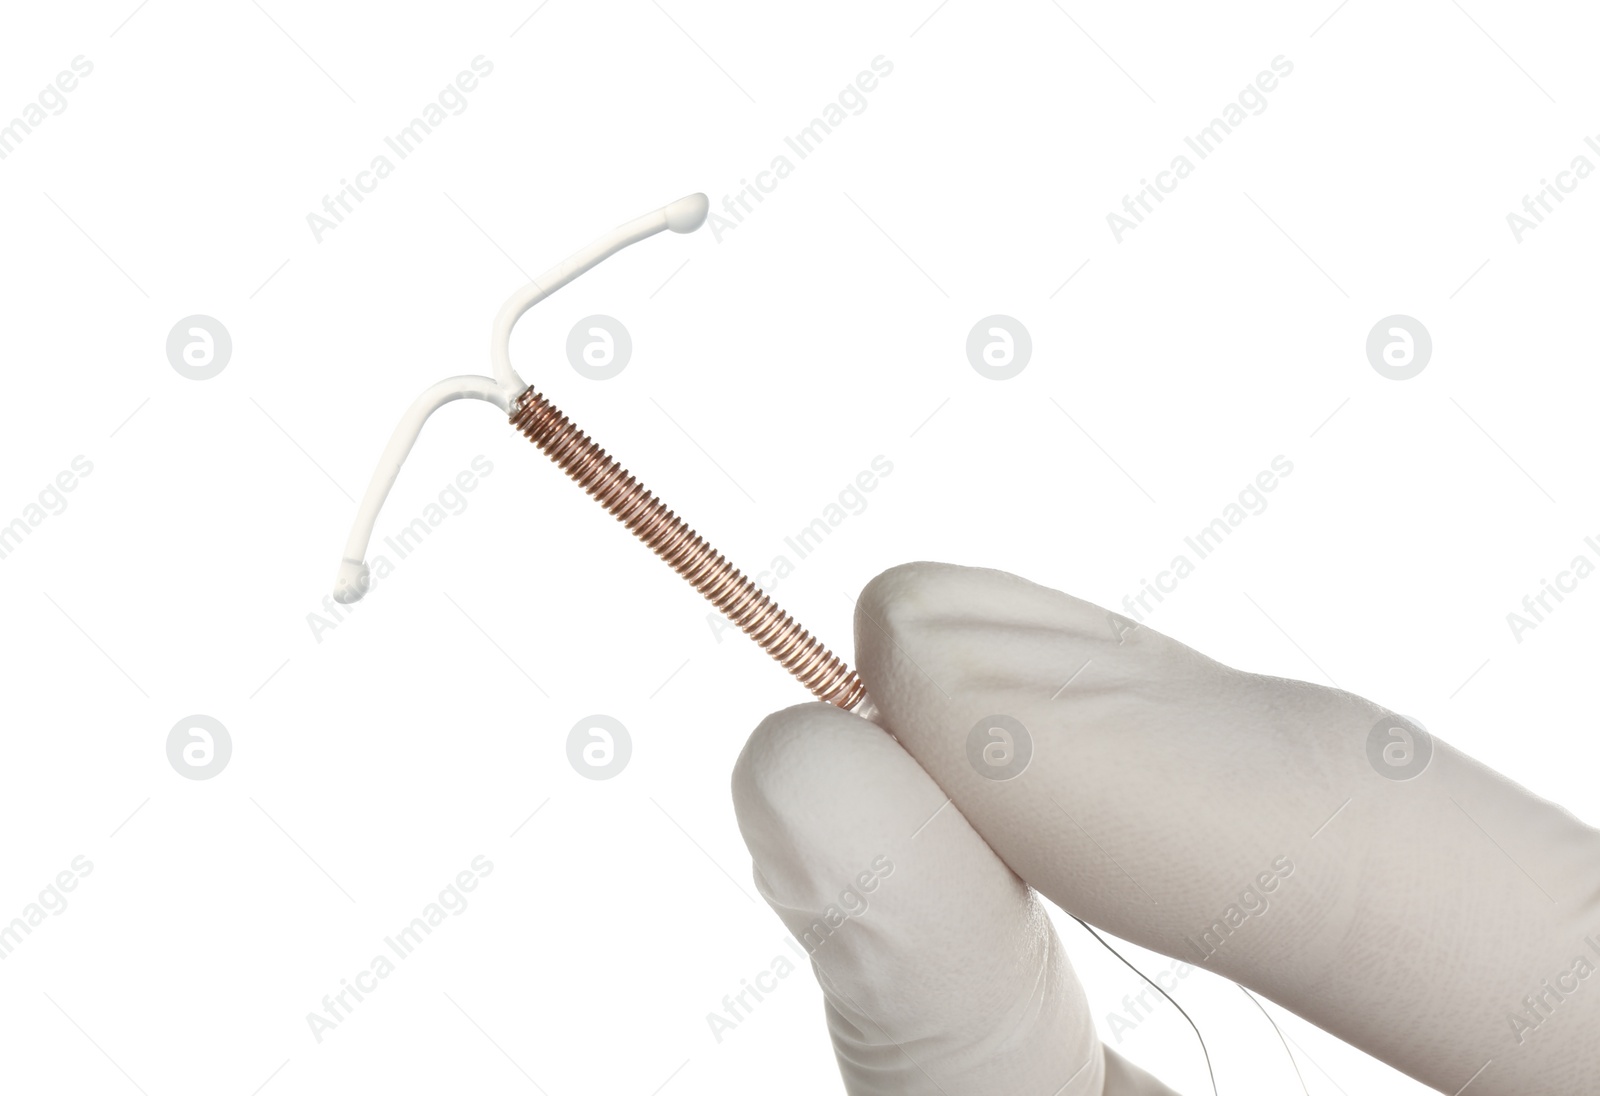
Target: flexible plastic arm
x: 353, y: 577
x: 684, y: 215
x: 502, y: 390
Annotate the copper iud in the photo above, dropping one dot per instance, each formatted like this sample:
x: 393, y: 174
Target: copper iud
x: 610, y: 484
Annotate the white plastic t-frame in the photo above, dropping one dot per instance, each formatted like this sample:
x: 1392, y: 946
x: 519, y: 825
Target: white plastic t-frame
x: 503, y: 389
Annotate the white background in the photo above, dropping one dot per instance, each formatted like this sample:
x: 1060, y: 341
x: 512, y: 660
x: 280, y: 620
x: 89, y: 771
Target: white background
x: 372, y: 764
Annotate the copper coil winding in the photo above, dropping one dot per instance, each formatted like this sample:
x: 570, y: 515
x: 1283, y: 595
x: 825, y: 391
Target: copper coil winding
x: 686, y: 552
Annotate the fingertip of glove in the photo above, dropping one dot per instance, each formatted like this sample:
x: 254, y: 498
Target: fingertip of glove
x: 905, y: 588
x: 795, y: 750
x: 821, y: 780
x: 909, y: 592
x: 959, y: 626
x: 766, y: 744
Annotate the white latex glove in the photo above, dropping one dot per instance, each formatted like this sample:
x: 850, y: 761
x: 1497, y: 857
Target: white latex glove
x: 1448, y: 924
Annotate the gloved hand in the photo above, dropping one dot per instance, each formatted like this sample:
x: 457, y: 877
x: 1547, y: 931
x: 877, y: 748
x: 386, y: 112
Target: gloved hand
x: 1296, y: 839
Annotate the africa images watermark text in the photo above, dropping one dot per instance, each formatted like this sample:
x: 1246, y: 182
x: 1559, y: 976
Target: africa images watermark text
x: 452, y: 98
